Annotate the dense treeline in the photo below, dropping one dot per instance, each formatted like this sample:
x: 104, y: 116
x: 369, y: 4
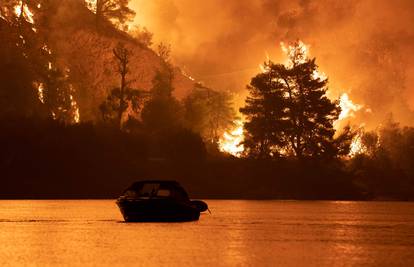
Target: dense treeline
x: 385, y: 165
x: 47, y: 159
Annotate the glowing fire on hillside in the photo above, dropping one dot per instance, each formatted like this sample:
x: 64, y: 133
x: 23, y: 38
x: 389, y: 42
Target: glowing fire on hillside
x: 357, y: 147
x: 231, y: 141
x: 91, y: 5
x: 22, y: 10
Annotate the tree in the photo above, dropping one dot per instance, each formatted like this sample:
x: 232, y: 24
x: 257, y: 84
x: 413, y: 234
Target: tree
x: 385, y: 165
x: 56, y: 93
x: 163, y: 111
x: 22, y: 60
x: 288, y: 112
x: 142, y: 35
x: 122, y: 97
x: 209, y: 112
x: 111, y: 10
x: 265, y: 113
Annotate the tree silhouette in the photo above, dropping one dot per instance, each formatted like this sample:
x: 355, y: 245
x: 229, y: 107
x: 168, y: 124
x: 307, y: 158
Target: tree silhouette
x: 112, y: 10
x: 163, y: 111
x: 57, y: 95
x: 122, y: 97
x: 24, y: 62
x: 142, y: 35
x: 288, y: 112
x: 265, y: 112
x: 209, y: 112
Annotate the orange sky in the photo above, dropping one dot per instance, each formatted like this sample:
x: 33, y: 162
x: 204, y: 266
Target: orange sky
x: 365, y: 47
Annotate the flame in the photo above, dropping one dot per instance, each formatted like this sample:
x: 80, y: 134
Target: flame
x: 74, y: 105
x: 40, y: 92
x: 264, y: 68
x: 348, y: 108
x: 357, y: 147
x: 27, y: 14
x: 187, y: 75
x: 231, y: 141
x: 299, y: 53
x: 91, y: 5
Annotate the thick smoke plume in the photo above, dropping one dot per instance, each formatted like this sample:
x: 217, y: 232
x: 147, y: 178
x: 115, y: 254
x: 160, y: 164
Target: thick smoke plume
x: 364, y: 47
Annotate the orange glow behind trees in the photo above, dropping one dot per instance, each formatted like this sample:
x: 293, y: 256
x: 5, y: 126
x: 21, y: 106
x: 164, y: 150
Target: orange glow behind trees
x: 297, y: 54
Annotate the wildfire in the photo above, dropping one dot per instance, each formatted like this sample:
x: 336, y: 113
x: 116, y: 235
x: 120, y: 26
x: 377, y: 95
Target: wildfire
x: 231, y: 141
x: 74, y: 105
x: 23, y: 10
x: 300, y: 54
x: 187, y: 75
x: 40, y: 92
x: 91, y: 5
x: 348, y: 108
x: 357, y: 146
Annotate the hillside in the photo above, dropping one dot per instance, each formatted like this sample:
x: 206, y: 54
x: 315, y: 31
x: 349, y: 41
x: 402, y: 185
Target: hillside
x: 87, y: 52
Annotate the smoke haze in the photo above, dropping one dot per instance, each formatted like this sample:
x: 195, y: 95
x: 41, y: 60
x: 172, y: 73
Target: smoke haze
x: 364, y: 47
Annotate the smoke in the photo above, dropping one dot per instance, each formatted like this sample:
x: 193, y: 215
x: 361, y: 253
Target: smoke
x: 364, y: 47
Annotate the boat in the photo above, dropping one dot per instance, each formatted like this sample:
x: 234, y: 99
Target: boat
x: 158, y: 201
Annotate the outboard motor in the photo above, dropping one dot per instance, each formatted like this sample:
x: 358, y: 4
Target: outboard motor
x: 201, y: 206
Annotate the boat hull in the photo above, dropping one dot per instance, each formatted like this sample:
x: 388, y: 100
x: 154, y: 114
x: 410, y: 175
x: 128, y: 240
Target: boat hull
x: 156, y: 210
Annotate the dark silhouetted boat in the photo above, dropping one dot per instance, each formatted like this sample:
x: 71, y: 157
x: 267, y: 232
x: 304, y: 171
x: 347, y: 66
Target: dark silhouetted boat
x: 146, y: 201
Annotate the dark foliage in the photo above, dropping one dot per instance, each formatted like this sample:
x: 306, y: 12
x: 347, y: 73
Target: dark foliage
x: 163, y: 111
x: 209, y: 112
x: 288, y: 112
x: 183, y: 145
x: 122, y: 97
x: 32, y: 82
x: 48, y: 159
x: 116, y: 11
x: 385, y: 169
x: 18, y: 65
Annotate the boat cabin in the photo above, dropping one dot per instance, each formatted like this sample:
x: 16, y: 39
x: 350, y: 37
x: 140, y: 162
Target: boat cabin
x: 156, y: 189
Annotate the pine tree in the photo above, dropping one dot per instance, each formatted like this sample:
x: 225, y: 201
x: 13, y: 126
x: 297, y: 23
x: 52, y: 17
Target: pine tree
x: 265, y: 112
x: 288, y: 112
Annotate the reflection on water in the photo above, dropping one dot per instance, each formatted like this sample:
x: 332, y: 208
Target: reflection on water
x: 237, y: 233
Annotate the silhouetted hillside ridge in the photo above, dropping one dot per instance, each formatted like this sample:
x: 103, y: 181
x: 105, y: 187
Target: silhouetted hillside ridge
x: 87, y: 52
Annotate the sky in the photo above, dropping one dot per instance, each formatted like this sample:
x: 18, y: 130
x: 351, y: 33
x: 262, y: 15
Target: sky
x: 364, y: 47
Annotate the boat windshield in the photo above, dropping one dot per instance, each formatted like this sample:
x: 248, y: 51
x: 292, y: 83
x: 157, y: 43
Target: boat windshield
x: 157, y: 190
x: 149, y: 190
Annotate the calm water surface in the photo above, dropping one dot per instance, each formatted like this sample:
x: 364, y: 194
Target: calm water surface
x: 237, y: 233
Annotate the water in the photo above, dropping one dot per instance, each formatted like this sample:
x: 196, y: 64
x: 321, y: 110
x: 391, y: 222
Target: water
x: 237, y: 233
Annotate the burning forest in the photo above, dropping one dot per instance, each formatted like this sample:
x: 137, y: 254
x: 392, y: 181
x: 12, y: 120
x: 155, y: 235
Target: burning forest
x: 111, y: 88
